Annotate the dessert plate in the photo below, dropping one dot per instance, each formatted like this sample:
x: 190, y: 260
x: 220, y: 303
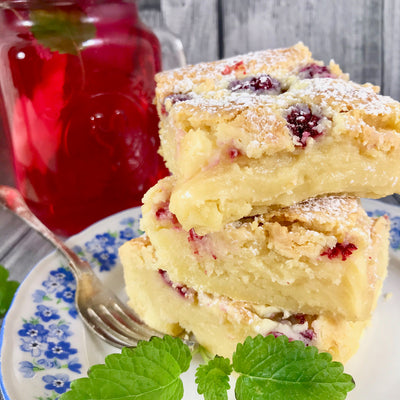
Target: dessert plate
x: 44, y: 345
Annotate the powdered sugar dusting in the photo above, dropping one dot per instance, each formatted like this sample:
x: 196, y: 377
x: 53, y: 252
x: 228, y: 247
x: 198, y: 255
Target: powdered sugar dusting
x: 234, y: 100
x: 208, y: 84
x: 259, y: 59
x: 217, y: 74
x: 232, y: 103
x: 341, y: 95
x: 331, y: 95
x: 336, y: 207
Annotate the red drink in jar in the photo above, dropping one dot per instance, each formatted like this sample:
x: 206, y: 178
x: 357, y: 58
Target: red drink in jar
x: 78, y: 86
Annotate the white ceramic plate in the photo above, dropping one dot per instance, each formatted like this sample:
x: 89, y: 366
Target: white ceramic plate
x: 44, y: 344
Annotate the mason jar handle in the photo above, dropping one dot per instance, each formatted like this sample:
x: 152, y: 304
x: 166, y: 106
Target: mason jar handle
x: 173, y: 55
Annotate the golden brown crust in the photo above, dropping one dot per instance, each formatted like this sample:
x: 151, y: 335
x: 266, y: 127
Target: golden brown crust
x: 209, y: 74
x: 259, y: 125
x: 255, y: 124
x: 355, y: 149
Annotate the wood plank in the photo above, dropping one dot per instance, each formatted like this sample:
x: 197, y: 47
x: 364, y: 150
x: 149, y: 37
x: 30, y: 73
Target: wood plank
x: 19, y: 262
x: 391, y: 40
x: 348, y: 31
x: 11, y: 230
x: 196, y: 24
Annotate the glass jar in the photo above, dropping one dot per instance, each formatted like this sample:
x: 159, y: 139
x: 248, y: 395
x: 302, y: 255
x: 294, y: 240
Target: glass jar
x: 77, y: 84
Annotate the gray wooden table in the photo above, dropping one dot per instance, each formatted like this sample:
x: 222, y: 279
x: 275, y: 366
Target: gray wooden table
x: 361, y: 35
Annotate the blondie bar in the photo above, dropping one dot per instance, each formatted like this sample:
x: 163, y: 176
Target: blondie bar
x: 324, y: 255
x: 217, y: 322
x: 272, y: 128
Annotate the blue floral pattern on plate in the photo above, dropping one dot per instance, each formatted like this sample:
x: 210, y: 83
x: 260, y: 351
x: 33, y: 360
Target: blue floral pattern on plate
x: 102, y: 250
x: 45, y: 334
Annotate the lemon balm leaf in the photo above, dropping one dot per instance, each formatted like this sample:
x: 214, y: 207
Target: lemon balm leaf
x: 213, y: 379
x: 274, y: 368
x: 268, y: 368
x: 173, y: 346
x: 151, y: 371
x: 7, y: 291
x: 62, y: 31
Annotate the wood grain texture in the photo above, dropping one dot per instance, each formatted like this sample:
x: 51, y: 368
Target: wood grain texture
x: 16, y: 237
x: 391, y: 48
x: 350, y: 32
x: 195, y: 22
x: 11, y: 231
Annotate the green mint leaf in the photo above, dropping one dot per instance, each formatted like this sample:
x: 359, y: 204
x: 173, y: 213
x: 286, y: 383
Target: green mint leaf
x: 151, y: 371
x: 274, y: 368
x: 213, y: 378
x: 7, y: 291
x: 60, y: 30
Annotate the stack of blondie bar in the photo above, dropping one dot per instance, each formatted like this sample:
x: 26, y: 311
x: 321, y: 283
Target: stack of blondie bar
x: 259, y: 229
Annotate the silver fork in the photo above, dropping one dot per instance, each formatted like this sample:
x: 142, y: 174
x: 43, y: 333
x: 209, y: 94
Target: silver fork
x: 100, y: 309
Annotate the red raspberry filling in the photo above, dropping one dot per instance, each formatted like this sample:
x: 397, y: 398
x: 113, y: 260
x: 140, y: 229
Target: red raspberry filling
x: 234, y: 153
x: 198, y: 243
x: 175, y: 98
x: 261, y: 84
x: 182, y: 290
x: 343, y: 250
x: 315, y: 71
x: 296, y: 319
x: 193, y: 236
x: 303, y: 124
x: 239, y: 67
x: 194, y: 240
x: 308, y: 334
x: 178, y: 97
x: 163, y: 213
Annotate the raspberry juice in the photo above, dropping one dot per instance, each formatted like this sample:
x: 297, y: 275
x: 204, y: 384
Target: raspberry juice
x: 79, y: 107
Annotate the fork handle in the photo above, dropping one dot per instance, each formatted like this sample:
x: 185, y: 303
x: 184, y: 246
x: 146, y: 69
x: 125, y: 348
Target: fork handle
x: 12, y: 200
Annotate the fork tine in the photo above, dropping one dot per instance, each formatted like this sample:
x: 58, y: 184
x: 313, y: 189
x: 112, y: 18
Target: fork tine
x: 97, y: 324
x: 104, y: 302
x: 115, y: 333
x: 114, y: 321
x: 132, y: 321
x: 122, y: 334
